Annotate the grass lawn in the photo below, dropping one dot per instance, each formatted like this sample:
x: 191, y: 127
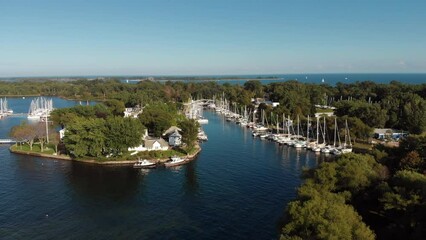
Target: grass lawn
x: 362, y: 146
x: 36, y: 148
x: 324, y: 110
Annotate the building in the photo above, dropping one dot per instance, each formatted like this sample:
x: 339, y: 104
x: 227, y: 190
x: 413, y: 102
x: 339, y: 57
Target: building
x: 388, y: 133
x: 175, y: 139
x: 156, y: 144
x: 151, y: 144
x: 173, y: 136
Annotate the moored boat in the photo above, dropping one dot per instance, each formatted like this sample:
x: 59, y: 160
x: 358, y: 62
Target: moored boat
x: 144, y: 164
x: 175, y: 161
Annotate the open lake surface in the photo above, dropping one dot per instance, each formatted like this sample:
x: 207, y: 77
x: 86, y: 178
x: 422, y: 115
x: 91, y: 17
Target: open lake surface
x: 237, y: 188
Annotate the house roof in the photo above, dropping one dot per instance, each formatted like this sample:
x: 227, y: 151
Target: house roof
x: 175, y: 134
x: 171, y: 130
x: 382, y: 130
x: 149, y: 142
x: 386, y: 130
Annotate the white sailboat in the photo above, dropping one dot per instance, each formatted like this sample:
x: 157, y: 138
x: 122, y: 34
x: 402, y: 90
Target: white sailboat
x: 4, y: 108
x: 347, y: 148
x: 40, y: 108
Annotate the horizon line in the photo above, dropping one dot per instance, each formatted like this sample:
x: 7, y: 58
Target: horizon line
x: 198, y: 75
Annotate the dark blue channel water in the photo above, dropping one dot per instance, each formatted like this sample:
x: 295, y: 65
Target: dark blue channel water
x: 237, y: 188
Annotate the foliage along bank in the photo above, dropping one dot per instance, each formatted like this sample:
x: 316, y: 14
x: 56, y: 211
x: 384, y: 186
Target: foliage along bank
x: 363, y: 196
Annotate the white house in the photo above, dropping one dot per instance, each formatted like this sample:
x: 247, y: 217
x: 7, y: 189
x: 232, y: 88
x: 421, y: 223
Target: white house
x: 151, y: 144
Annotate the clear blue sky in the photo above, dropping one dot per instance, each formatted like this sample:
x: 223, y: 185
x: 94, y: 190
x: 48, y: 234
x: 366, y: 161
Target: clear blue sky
x: 159, y: 37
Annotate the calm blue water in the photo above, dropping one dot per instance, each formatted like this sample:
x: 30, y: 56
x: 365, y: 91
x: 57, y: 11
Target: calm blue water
x: 329, y: 78
x: 237, y: 188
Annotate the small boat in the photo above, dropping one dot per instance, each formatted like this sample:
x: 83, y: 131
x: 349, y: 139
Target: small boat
x: 144, y: 164
x: 175, y: 161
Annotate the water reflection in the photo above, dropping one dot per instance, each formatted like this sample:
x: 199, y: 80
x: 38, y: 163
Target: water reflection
x: 191, y: 185
x: 115, y: 183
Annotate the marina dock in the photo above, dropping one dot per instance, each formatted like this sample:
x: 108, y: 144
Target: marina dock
x: 7, y: 141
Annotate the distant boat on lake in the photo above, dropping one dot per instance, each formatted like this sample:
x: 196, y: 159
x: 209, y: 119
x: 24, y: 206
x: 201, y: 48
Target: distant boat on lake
x: 4, y: 109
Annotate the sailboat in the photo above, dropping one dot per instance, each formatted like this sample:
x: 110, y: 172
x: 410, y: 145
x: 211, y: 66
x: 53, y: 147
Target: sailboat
x: 317, y: 147
x: 326, y: 148
x: 4, y: 109
x: 347, y: 148
x: 336, y: 150
x: 40, y: 108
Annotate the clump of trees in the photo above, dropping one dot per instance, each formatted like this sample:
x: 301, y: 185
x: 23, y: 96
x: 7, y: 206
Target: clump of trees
x: 357, y: 196
x: 101, y: 130
x: 34, y: 134
x: 96, y: 137
x: 322, y: 210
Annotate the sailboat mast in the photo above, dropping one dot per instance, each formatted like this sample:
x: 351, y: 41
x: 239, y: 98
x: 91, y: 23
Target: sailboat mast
x: 288, y: 125
x: 317, y: 130
x: 335, y: 129
x: 307, y: 131
x: 298, y: 121
x: 323, y: 133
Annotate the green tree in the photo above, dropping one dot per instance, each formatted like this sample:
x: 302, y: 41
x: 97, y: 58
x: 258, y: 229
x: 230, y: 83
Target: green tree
x: 117, y: 107
x: 158, y: 117
x: 324, y: 216
x: 85, y: 137
x: 122, y: 133
x: 24, y: 132
x: 414, y: 114
x: 189, y: 131
x: 254, y: 86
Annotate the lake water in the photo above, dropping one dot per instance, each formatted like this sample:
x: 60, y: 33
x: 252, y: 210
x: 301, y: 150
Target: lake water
x: 318, y: 78
x: 237, y: 188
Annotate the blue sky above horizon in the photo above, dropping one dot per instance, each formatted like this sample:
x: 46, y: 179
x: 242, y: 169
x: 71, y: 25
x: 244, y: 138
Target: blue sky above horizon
x: 201, y: 37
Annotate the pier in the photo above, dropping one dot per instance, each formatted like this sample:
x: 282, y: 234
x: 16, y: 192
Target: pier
x: 7, y: 141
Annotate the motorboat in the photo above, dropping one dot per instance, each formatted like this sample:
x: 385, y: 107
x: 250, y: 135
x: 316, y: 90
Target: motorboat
x: 144, y: 164
x: 175, y: 161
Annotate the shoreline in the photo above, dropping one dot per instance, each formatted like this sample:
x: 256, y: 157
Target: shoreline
x: 119, y: 163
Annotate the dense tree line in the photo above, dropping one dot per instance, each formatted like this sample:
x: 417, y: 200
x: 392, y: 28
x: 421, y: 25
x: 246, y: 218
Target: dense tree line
x: 382, y: 196
x: 393, y: 105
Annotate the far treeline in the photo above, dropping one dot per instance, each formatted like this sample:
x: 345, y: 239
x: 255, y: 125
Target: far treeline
x: 366, y: 104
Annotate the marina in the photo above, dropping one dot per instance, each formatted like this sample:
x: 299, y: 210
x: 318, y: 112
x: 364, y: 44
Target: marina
x: 235, y: 182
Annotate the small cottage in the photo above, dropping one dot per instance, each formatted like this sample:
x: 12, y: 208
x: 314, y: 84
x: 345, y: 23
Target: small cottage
x: 175, y: 139
x: 173, y: 136
x: 156, y: 144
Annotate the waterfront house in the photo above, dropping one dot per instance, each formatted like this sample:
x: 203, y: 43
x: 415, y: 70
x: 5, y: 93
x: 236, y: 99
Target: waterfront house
x: 173, y: 136
x: 156, y: 144
x: 151, y: 144
x: 175, y: 139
